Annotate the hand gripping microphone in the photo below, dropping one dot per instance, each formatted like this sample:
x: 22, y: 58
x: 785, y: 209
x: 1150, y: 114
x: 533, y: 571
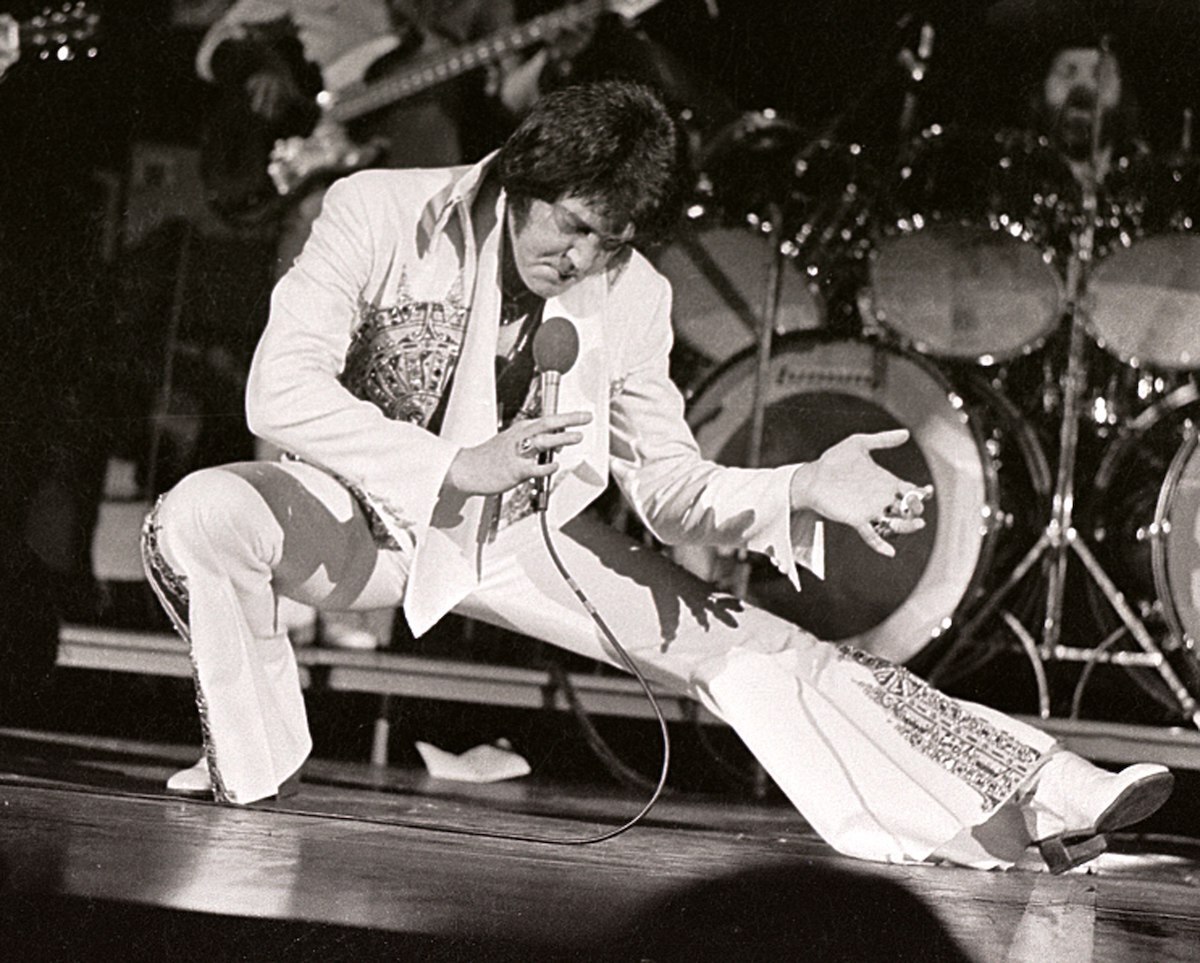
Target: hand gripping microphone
x: 555, y: 348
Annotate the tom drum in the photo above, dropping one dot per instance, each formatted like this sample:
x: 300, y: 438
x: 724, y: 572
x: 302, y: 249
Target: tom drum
x: 956, y: 273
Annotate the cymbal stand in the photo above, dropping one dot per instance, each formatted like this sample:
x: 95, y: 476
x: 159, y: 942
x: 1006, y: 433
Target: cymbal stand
x: 768, y: 318
x: 1060, y: 538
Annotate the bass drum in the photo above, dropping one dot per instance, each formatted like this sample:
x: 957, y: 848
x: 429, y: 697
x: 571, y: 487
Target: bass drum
x: 989, y: 474
x: 1146, y: 525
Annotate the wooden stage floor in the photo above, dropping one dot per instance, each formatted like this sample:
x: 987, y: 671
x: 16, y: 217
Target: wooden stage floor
x: 96, y: 863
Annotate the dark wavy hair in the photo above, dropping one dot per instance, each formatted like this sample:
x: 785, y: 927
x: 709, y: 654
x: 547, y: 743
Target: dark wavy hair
x: 611, y: 143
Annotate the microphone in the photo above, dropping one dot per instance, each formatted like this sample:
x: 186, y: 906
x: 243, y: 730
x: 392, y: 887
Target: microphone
x: 555, y: 348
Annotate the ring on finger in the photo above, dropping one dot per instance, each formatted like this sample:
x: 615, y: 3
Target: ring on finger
x: 907, y: 505
x: 525, y: 447
x: 883, y: 527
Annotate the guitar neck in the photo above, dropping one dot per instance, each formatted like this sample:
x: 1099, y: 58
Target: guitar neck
x: 439, y: 68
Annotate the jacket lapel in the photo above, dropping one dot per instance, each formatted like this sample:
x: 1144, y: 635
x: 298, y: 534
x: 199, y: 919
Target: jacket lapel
x: 445, y: 567
x: 582, y: 468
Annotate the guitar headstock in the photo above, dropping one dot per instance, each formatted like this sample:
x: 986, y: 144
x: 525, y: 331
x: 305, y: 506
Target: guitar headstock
x: 60, y: 32
x: 629, y: 9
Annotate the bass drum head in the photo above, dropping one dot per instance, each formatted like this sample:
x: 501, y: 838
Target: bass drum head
x: 819, y: 392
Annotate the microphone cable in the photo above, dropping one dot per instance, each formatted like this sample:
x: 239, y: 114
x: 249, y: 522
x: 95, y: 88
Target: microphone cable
x: 628, y: 663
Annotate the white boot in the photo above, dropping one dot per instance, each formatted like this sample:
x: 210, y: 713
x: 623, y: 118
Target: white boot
x: 1071, y: 804
x: 193, y: 781
x: 196, y: 781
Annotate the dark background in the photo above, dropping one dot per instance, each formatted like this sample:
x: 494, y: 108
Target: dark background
x: 809, y: 60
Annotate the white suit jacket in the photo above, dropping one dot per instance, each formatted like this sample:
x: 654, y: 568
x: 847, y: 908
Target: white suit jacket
x: 387, y: 235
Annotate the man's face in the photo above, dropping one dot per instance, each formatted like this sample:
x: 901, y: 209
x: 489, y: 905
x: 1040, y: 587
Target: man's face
x: 1082, y: 83
x: 557, y: 245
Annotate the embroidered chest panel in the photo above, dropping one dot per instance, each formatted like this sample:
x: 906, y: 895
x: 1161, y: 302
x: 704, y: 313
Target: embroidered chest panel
x: 402, y: 356
x: 987, y: 758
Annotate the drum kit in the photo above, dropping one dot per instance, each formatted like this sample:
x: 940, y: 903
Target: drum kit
x: 1036, y: 331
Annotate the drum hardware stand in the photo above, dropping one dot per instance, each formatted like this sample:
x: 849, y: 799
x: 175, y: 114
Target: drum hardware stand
x: 1060, y: 537
x: 762, y: 372
x: 758, y: 404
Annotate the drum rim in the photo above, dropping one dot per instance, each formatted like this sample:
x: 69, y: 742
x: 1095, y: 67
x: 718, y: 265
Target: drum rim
x: 745, y: 122
x: 1136, y: 430
x: 1160, y: 563
x: 989, y: 525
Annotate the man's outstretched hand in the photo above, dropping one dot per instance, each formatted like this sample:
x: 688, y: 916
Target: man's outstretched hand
x: 847, y: 485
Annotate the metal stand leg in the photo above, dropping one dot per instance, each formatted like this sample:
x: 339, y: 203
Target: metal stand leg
x: 766, y: 333
x: 382, y: 731
x: 1029, y: 644
x: 762, y: 373
x: 1154, y: 654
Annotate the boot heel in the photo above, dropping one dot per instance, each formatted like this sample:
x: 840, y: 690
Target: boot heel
x: 1061, y: 856
x: 290, y: 786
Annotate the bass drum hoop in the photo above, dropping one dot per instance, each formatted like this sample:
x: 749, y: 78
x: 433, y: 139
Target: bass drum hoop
x: 965, y: 480
x: 1164, y: 528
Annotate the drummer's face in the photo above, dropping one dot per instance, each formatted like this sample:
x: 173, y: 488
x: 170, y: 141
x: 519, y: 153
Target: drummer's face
x: 1082, y: 78
x: 557, y: 245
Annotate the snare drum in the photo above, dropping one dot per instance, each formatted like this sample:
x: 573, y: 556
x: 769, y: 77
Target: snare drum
x: 957, y: 273
x: 987, y: 468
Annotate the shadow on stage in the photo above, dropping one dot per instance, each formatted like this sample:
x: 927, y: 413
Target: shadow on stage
x: 813, y: 913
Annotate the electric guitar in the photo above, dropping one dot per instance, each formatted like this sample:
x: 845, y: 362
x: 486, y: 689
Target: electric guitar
x: 57, y: 31
x: 327, y: 151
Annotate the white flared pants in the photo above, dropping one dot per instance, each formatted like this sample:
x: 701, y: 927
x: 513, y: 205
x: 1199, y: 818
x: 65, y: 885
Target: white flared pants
x: 882, y: 765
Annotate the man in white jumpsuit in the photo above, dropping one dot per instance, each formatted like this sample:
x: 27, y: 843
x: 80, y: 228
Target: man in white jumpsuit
x: 395, y: 370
